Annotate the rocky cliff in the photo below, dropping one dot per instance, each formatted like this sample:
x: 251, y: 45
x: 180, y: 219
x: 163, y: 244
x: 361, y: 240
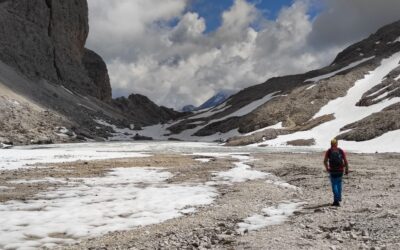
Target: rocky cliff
x: 46, y: 39
x: 44, y: 63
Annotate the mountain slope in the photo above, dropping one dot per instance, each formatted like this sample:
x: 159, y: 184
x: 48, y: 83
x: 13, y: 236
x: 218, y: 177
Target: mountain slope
x: 214, y: 101
x: 306, y: 102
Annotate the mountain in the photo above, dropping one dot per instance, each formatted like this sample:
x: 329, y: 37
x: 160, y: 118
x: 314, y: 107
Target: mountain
x: 53, y: 89
x: 215, y: 100
x: 189, y: 108
x: 356, y: 98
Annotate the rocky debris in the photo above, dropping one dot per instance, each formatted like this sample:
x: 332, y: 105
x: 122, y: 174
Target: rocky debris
x: 20, y: 123
x: 270, y: 134
x: 301, y: 142
x: 380, y: 43
x: 97, y: 70
x: 138, y: 137
x: 267, y: 134
x: 374, y: 125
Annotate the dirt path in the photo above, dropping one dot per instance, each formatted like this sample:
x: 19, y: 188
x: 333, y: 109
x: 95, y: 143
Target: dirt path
x: 368, y: 219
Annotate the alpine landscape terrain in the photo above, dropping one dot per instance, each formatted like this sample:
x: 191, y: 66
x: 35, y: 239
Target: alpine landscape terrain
x: 85, y: 168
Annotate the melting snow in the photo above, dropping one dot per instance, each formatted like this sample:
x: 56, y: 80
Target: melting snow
x: 19, y: 157
x: 270, y: 216
x: 124, y: 199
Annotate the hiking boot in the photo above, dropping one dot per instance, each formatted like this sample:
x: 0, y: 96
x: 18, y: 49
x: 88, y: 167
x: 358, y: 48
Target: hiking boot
x: 336, y: 204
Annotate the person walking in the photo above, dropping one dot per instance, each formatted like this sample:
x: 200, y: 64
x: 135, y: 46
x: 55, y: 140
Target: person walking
x: 336, y: 164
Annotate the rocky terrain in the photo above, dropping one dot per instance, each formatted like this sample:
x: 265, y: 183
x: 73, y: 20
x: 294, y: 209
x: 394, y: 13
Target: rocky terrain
x: 43, y: 60
x: 367, y: 219
x: 298, y: 98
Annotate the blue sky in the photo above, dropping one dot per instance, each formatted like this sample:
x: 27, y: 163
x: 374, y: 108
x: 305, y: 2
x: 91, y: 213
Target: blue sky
x: 212, y: 10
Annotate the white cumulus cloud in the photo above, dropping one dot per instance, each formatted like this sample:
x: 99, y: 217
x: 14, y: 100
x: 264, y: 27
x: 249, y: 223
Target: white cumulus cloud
x: 159, y: 49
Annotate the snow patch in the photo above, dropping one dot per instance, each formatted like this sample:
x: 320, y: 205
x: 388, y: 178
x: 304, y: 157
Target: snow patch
x: 124, y: 199
x: 283, y: 184
x: 241, y: 173
x: 203, y: 160
x: 312, y: 86
x: 395, y: 41
x: 270, y: 216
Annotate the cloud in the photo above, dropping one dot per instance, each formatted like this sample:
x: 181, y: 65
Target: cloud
x: 345, y: 22
x: 159, y: 49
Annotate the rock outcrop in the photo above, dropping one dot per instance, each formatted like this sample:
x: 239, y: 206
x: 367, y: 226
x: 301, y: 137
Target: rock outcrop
x: 46, y: 39
x: 144, y: 110
x: 97, y: 70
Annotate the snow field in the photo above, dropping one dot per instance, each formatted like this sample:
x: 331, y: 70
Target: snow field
x: 346, y: 112
x: 124, y: 199
x: 22, y: 157
x: 270, y: 216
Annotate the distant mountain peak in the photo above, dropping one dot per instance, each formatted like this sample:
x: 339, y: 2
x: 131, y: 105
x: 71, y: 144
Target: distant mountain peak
x: 220, y: 97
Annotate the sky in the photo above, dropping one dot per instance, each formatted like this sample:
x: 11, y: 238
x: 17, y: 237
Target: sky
x: 180, y: 52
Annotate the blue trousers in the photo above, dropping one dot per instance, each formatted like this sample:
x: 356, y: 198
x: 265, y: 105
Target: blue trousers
x: 336, y: 181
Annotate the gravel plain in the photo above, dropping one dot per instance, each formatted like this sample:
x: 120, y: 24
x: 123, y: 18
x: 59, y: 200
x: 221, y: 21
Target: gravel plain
x: 369, y: 217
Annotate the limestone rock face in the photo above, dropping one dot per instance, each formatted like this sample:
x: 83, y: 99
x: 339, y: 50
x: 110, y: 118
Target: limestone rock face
x: 46, y: 39
x: 144, y: 110
x: 97, y: 70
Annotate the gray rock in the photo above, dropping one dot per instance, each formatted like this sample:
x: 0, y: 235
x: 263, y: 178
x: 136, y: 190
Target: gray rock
x: 46, y: 39
x: 98, y: 72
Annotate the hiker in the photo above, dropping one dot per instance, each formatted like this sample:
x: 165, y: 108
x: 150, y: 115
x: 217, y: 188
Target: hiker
x: 336, y: 164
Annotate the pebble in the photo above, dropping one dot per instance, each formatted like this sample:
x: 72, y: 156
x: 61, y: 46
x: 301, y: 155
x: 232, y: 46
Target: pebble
x: 353, y: 236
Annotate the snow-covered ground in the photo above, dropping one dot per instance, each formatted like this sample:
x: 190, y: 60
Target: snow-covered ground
x: 95, y: 206
x: 123, y: 199
x: 19, y: 157
x: 270, y: 216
